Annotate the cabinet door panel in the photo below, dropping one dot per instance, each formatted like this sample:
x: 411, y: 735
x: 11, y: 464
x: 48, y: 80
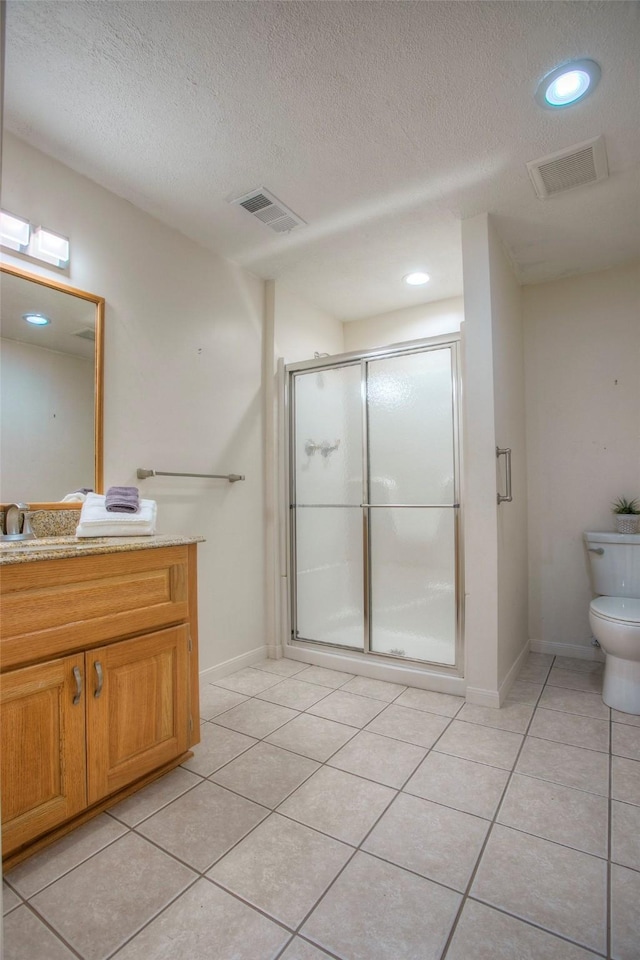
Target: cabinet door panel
x: 137, y: 708
x: 43, y: 749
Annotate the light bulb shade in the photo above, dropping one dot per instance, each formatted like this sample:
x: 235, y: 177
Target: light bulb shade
x: 50, y: 247
x: 416, y: 278
x: 568, y: 84
x: 37, y: 319
x: 14, y: 231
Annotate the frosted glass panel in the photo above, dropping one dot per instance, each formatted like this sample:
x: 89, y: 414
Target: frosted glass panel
x: 328, y: 436
x: 411, y: 428
x: 413, y: 596
x: 329, y: 575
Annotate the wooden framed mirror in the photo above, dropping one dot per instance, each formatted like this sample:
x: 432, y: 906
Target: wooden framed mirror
x: 51, y: 428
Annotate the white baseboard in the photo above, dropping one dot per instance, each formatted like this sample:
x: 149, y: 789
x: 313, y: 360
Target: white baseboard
x: 577, y: 650
x: 483, y: 698
x: 363, y: 666
x: 235, y: 663
x: 512, y: 676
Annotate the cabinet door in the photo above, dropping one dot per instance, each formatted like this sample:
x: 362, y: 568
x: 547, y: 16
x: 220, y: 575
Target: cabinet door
x: 43, y: 748
x: 137, y: 708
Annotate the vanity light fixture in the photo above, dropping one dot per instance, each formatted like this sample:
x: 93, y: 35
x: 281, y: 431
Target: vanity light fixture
x: 417, y: 278
x: 568, y: 84
x: 37, y: 319
x: 14, y: 231
x: 50, y: 247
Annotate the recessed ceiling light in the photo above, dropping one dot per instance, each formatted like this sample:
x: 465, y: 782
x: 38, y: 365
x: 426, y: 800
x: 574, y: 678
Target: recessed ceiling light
x: 37, y: 319
x: 568, y: 84
x: 415, y: 279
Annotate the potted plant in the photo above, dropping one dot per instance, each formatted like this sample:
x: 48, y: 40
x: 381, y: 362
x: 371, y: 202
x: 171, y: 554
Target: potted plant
x: 626, y: 512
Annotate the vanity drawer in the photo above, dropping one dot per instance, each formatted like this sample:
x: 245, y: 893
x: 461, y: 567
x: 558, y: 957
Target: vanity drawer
x: 51, y: 607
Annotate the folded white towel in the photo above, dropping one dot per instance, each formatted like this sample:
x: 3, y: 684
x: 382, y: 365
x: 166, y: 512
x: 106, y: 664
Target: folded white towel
x: 97, y: 521
x: 76, y: 497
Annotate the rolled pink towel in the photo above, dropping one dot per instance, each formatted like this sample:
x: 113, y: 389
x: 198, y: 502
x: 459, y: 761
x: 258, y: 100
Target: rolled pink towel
x: 122, y: 500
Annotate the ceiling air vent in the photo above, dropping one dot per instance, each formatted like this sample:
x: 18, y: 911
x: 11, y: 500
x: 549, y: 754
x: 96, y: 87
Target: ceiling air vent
x: 87, y: 334
x: 574, y: 167
x: 263, y: 205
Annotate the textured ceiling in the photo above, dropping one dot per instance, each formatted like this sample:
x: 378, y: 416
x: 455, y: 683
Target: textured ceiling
x: 382, y: 124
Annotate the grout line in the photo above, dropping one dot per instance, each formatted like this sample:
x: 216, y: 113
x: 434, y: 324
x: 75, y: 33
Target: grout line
x: 609, y: 840
x: 52, y: 930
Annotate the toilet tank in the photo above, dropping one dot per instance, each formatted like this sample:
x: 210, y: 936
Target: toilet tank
x: 615, y: 563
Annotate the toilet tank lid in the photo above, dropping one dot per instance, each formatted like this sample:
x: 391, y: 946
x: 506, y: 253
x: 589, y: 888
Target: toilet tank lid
x: 605, y: 536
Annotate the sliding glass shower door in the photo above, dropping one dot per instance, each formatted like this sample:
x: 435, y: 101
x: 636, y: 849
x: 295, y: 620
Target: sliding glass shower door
x: 374, y: 500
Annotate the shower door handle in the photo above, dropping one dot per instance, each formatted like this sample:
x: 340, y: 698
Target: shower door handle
x: 506, y: 453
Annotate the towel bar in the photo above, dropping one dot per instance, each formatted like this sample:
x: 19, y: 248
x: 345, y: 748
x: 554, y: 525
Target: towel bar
x: 142, y: 474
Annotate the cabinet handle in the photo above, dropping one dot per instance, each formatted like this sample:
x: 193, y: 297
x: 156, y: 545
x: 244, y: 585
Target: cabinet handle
x: 98, y: 667
x: 78, y: 678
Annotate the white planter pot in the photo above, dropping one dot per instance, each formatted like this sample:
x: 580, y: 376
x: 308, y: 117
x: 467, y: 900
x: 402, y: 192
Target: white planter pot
x: 627, y: 522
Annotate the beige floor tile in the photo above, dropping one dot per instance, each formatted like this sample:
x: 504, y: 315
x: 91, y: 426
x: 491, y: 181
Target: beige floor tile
x: 486, y: 934
x: 248, y: 681
x: 202, y: 825
x: 536, y: 667
x: 625, y: 835
x: 52, y: 862
x: 157, y: 795
x: 574, y: 701
x: 215, y: 700
x: 378, y: 689
x: 590, y: 682
x: 471, y: 787
x: 376, y: 911
x: 630, y: 718
x: 266, y: 774
x: 256, y: 718
x: 561, y: 763
x: 499, y: 748
x: 217, y: 746
x: 412, y: 726
x: 567, y: 728
x: 312, y: 737
x: 283, y: 667
x: 443, y: 704
x: 10, y: 899
x: 511, y: 716
x: 625, y: 915
x: 378, y: 758
x: 131, y: 880
x: 625, y: 741
x: 347, y: 708
x: 207, y: 923
x: 338, y: 803
x: 555, y: 812
x: 27, y: 938
x: 560, y: 889
x: 294, y: 693
x: 625, y: 780
x: 326, y: 678
x: 435, y: 841
x: 523, y: 691
x: 579, y: 664
x: 299, y: 949
x: 282, y: 868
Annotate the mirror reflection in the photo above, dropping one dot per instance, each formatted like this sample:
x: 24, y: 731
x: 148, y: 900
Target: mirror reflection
x: 49, y: 389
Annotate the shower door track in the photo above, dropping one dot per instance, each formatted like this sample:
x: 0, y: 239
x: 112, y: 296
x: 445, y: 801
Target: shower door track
x: 362, y: 358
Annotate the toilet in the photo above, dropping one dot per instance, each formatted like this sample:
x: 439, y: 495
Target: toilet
x: 614, y: 615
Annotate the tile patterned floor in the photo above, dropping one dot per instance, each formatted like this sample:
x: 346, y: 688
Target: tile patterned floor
x: 331, y: 816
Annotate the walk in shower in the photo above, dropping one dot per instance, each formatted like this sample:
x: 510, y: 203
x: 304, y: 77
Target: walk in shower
x: 374, y: 559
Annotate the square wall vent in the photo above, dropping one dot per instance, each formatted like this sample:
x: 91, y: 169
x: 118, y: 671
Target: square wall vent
x: 573, y: 167
x: 267, y: 208
x: 87, y: 334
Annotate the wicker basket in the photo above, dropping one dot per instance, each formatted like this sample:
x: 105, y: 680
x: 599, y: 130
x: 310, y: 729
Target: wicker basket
x: 627, y: 522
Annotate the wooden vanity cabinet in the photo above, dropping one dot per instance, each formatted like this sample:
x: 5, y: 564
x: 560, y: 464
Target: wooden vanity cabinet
x: 119, y: 707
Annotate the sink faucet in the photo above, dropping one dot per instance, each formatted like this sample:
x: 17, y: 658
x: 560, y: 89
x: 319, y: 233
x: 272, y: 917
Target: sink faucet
x: 12, y: 521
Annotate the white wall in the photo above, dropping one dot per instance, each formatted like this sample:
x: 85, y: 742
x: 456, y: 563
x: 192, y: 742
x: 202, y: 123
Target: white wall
x: 46, y: 428
x: 183, y: 333
x: 411, y: 323
x: 300, y: 329
x: 582, y: 349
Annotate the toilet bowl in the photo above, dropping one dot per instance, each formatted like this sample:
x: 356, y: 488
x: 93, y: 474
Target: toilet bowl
x: 615, y: 623
x: 614, y: 615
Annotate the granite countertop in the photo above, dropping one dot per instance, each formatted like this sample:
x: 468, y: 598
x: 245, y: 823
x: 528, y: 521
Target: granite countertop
x: 61, y: 548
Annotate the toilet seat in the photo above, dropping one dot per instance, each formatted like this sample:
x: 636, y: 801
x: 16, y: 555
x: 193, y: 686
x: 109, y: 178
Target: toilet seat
x: 617, y: 609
